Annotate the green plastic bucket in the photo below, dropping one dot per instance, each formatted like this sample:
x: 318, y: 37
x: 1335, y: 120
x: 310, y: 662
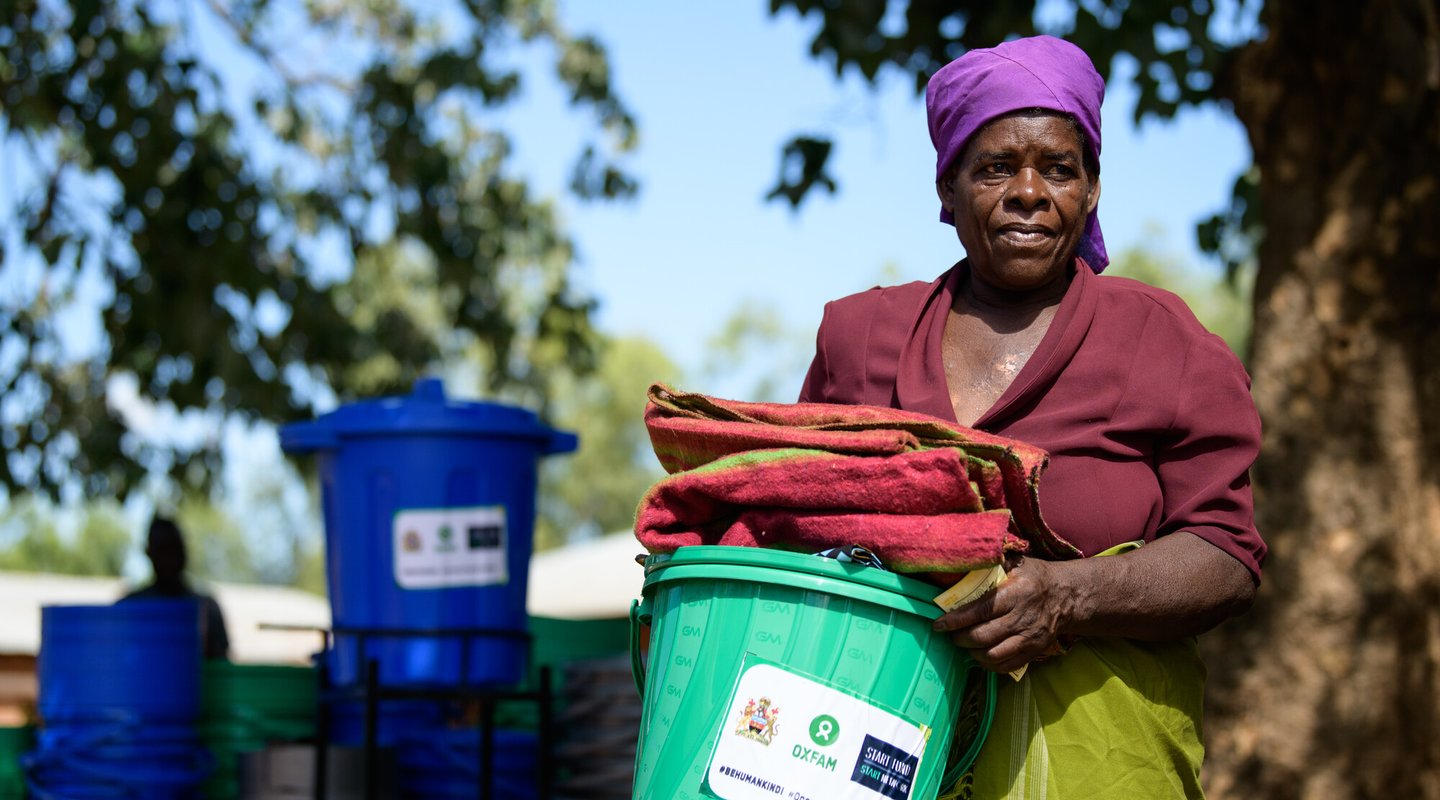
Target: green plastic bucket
x: 245, y: 707
x: 777, y: 674
x: 13, y: 743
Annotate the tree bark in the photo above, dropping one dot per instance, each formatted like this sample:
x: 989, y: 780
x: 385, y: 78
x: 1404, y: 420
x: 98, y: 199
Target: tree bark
x: 1330, y: 687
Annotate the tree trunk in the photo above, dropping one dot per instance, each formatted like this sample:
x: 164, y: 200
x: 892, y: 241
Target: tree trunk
x: 1330, y: 687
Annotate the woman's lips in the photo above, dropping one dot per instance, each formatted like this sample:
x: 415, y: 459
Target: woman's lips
x: 1024, y: 235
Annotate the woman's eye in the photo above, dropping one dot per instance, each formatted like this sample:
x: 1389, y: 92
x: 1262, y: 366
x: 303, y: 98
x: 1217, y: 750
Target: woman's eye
x: 997, y: 168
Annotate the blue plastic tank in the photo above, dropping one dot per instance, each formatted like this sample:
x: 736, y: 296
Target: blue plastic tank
x: 119, y: 693
x: 138, y: 659
x: 429, y: 508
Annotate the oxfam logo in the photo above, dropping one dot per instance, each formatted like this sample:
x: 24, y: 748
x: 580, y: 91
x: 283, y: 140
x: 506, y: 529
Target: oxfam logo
x: 824, y: 730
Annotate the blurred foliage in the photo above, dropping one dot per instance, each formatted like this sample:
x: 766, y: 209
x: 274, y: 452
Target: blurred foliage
x: 98, y: 538
x: 1221, y: 303
x: 31, y: 540
x: 224, y: 205
x: 756, y: 355
x: 1233, y: 234
x: 217, y: 546
x: 802, y: 168
x: 224, y: 545
x: 596, y: 490
x: 259, y: 523
x: 1183, y: 49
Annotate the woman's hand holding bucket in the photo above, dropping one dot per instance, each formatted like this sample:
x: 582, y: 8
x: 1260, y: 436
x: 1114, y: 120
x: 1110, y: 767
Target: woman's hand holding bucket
x: 1019, y: 621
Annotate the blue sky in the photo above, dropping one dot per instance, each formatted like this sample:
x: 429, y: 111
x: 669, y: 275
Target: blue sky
x: 718, y: 88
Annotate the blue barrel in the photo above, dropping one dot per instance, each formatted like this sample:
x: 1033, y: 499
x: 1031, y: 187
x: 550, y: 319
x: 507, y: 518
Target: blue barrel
x: 429, y: 509
x: 119, y: 694
x: 137, y: 660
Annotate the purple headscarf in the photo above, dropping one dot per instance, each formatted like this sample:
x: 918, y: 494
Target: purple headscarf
x: 1038, y: 72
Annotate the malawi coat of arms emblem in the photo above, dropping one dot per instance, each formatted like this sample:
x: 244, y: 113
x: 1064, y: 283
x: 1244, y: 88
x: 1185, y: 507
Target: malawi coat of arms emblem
x: 757, y: 720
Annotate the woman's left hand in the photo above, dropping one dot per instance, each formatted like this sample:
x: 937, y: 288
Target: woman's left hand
x: 1019, y: 621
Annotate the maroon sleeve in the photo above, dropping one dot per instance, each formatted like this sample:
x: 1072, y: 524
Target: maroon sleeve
x: 1204, y: 464
x: 817, y: 378
x: 858, y: 346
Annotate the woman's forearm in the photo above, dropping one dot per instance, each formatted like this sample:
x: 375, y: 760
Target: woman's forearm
x: 1177, y: 586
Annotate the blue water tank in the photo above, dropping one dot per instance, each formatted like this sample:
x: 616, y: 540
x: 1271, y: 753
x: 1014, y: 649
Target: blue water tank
x: 119, y: 693
x: 429, y: 509
x: 138, y: 659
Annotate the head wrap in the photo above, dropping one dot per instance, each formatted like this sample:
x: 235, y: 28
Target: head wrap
x: 1038, y: 72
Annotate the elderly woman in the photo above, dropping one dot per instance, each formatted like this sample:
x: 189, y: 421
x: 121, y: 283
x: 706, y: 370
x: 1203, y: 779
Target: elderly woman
x: 1147, y: 418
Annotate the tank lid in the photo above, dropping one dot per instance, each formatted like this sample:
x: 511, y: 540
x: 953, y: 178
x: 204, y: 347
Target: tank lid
x: 426, y: 410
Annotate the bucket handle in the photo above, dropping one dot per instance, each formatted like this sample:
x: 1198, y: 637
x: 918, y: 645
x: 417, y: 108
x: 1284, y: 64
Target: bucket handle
x: 987, y: 717
x: 558, y: 442
x: 640, y: 614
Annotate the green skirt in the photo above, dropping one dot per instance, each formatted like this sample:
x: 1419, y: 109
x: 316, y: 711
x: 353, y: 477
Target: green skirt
x: 1111, y: 719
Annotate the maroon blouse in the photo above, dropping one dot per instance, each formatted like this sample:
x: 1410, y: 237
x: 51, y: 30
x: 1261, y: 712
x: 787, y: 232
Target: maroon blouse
x: 1146, y: 415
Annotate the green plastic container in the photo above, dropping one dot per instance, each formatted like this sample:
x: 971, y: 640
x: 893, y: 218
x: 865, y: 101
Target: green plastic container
x: 556, y: 643
x: 245, y: 707
x: 560, y: 641
x: 782, y: 674
x: 13, y: 743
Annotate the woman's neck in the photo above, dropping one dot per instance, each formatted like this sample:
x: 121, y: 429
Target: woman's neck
x: 1004, y: 310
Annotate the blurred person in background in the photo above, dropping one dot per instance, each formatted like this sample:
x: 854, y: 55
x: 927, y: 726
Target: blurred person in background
x: 165, y: 547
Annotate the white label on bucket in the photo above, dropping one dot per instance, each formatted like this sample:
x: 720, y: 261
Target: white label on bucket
x: 792, y: 736
x: 440, y: 547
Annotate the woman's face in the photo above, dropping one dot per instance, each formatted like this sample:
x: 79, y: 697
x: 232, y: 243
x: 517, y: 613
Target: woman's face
x: 1020, y: 196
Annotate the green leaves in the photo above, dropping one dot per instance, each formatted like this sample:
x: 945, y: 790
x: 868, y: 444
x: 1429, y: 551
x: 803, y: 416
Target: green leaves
x: 1233, y: 234
x: 802, y: 167
x: 1182, y: 47
x: 255, y: 208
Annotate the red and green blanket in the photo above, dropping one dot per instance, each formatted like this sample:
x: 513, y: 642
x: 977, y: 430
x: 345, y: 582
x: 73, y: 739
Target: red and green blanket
x: 923, y: 494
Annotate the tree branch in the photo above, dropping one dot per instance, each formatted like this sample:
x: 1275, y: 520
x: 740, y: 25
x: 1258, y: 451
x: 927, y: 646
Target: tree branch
x: 273, y: 59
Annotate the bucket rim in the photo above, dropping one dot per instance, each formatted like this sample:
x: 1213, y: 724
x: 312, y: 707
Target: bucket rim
x: 223, y: 670
x: 730, y: 555
x: 126, y: 609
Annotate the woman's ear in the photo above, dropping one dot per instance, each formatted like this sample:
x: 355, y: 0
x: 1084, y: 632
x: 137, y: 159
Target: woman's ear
x: 1094, y: 197
x: 945, y: 189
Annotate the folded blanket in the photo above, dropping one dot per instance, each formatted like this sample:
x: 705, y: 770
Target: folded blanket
x: 923, y: 494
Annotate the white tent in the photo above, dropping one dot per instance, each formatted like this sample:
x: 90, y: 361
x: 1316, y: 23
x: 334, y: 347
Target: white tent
x: 596, y: 579
x: 250, y: 611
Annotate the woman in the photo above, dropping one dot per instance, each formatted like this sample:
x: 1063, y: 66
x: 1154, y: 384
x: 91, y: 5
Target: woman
x: 1147, y: 418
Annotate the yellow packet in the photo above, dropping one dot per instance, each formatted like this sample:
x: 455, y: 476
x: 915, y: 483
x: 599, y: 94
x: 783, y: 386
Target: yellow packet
x: 971, y: 588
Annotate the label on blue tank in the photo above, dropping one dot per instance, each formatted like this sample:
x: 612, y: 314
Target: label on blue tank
x: 795, y: 736
x: 437, y: 548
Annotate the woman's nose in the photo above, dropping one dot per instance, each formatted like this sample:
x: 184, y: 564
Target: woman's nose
x: 1027, y: 189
